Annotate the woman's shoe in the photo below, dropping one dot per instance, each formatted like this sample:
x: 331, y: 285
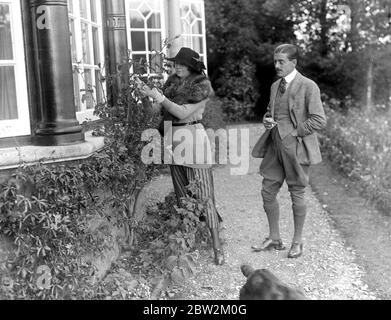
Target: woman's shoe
x: 219, y: 257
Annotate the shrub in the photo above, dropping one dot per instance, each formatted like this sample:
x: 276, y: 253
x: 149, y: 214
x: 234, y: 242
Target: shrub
x: 214, y: 117
x: 45, y: 209
x: 360, y: 145
x: 236, y: 111
x: 238, y: 89
x: 169, y: 239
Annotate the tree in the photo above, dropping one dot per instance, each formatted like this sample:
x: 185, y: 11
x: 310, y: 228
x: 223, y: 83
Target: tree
x: 230, y: 35
x: 344, y: 45
x: 370, y: 35
x: 342, y: 40
x: 315, y: 22
x: 241, y: 37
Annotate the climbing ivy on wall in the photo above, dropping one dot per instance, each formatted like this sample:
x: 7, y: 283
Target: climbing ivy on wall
x: 45, y: 209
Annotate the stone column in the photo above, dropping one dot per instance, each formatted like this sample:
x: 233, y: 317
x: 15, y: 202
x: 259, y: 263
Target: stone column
x: 56, y: 119
x: 116, y: 46
x: 174, y: 26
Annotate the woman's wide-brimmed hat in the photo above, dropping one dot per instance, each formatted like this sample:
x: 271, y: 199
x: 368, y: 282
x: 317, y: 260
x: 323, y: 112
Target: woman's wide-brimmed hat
x: 190, y: 58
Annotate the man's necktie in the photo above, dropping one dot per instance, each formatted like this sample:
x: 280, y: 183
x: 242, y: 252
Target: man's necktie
x: 282, y: 87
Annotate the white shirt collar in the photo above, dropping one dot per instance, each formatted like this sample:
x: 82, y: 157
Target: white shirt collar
x: 290, y: 77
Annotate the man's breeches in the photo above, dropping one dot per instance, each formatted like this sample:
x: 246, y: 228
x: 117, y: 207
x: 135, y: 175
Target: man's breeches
x: 281, y: 163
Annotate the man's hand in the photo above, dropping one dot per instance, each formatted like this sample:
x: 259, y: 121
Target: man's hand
x: 269, y: 123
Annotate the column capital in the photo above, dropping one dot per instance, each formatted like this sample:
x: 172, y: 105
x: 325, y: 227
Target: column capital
x: 37, y: 3
x: 115, y: 21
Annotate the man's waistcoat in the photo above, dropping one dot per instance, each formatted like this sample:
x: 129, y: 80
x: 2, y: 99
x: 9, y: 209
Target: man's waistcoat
x: 281, y: 114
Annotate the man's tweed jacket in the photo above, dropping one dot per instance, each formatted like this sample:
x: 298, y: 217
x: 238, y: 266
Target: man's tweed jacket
x: 307, y: 115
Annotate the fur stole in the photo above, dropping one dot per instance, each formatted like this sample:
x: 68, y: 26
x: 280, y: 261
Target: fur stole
x: 193, y: 89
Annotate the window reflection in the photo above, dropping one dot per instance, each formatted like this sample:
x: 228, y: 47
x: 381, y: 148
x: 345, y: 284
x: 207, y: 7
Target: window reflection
x: 156, y: 63
x: 185, y: 27
x: 154, y: 21
x: 73, y: 40
x: 198, y: 44
x: 139, y: 63
x: 134, y: 4
x: 5, y: 33
x: 70, y: 6
x: 95, y: 42
x: 184, y: 10
x: 138, y: 41
x: 155, y: 5
x: 197, y: 27
x: 76, y: 90
x: 154, y: 41
x: 86, y: 43
x: 88, y: 94
x: 136, y: 20
x: 98, y: 87
x: 8, y: 102
x: 83, y: 8
x: 145, y: 10
x: 94, y: 16
x: 186, y: 41
x: 196, y: 9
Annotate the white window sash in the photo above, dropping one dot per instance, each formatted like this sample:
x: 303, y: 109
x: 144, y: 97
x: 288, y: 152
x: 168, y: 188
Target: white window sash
x: 20, y: 126
x: 202, y: 34
x: 88, y: 114
x: 129, y: 30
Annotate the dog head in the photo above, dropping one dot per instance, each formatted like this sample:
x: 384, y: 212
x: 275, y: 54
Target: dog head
x: 263, y: 285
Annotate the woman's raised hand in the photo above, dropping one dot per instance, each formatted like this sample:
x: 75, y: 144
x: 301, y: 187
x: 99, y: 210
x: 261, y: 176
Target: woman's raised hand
x: 154, y: 93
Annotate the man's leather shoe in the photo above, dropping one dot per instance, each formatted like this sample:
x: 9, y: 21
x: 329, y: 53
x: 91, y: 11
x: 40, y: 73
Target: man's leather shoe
x: 269, y: 244
x: 296, y: 250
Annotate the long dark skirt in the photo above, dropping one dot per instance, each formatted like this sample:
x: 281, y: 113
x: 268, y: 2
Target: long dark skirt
x: 183, y: 176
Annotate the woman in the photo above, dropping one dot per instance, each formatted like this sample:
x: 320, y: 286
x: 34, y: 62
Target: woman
x: 183, y: 99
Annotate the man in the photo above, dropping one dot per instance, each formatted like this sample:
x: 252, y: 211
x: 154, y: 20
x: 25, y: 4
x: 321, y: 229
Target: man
x: 289, y: 146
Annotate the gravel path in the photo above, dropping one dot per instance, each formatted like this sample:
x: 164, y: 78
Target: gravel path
x: 362, y: 226
x: 327, y: 269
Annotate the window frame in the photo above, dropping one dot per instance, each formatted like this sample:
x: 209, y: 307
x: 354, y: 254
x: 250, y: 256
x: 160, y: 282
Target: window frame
x: 203, y: 55
x: 129, y: 30
x: 20, y: 126
x: 83, y: 114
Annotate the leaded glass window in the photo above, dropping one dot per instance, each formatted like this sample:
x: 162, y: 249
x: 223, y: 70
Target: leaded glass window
x: 146, y: 34
x: 193, y: 26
